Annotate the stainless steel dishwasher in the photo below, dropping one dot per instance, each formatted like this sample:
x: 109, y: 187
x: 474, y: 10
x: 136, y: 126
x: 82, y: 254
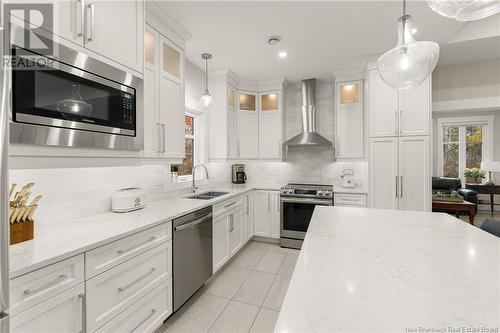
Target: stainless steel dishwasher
x: 192, y: 254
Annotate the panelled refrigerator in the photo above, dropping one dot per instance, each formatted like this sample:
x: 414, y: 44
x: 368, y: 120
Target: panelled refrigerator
x: 4, y: 225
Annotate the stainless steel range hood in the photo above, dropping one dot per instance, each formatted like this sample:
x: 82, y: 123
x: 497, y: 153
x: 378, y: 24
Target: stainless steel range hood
x: 309, y: 136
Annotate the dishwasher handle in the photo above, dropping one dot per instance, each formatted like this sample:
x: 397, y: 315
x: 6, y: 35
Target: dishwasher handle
x: 195, y: 222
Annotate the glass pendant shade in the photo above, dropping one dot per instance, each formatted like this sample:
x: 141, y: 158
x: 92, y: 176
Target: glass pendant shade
x: 409, y: 63
x: 206, y: 99
x: 465, y: 10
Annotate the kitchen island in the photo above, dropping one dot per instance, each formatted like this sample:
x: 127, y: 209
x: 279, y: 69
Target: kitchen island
x: 369, y: 270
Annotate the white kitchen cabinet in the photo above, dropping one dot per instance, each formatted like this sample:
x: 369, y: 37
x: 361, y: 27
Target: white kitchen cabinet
x: 266, y: 214
x: 220, y: 242
x: 222, y: 121
x: 248, y: 125
x: 400, y: 173
x: 164, y: 97
x: 115, y: 29
x: 270, y: 120
x: 63, y: 313
x: 235, y: 230
x: 248, y: 216
x: 403, y: 113
x: 349, y: 113
x: 350, y: 200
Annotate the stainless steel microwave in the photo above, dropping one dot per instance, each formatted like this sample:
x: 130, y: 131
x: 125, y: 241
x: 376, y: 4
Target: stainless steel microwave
x: 73, y: 100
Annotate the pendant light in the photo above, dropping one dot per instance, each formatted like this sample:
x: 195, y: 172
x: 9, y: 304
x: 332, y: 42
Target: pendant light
x: 409, y: 63
x: 465, y: 10
x: 206, y: 99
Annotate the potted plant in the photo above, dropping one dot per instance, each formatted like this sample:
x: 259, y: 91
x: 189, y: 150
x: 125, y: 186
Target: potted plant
x: 174, y: 169
x: 474, y: 175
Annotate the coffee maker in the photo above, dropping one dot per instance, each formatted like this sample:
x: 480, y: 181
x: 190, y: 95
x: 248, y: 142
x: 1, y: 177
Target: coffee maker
x: 238, y: 175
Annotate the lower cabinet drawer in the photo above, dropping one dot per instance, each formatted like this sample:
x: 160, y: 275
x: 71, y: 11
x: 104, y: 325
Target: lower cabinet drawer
x: 33, y: 288
x: 344, y: 199
x: 62, y: 314
x: 113, y: 291
x: 145, y: 315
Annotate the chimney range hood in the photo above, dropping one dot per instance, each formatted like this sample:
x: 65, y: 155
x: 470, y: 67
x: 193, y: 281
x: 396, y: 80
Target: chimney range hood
x: 309, y: 136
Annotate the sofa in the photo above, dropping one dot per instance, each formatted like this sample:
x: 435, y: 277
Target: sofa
x: 447, y: 185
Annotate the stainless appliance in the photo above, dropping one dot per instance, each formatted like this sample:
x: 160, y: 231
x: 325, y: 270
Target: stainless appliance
x: 297, y: 206
x: 4, y: 225
x: 238, y: 175
x: 73, y: 100
x: 192, y: 254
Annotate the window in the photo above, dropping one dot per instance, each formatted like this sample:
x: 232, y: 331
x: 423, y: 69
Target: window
x: 463, y: 143
x: 186, y: 168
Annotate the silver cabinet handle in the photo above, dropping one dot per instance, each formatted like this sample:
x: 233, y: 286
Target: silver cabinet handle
x: 268, y: 202
x: 91, y: 25
x: 228, y: 146
x: 84, y: 312
x: 158, y: 136
x: 231, y: 223
x: 192, y: 224
x: 151, y: 271
x: 153, y: 311
x: 122, y: 252
x: 59, y: 279
x: 80, y: 7
x: 396, y: 186
x: 248, y: 204
x: 401, y: 186
x: 396, y: 127
x: 278, y: 204
x: 164, y: 138
x: 229, y: 205
x: 238, y: 147
x: 400, y: 116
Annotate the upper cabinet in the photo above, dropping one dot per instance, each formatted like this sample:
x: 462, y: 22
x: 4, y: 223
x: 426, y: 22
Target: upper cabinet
x: 270, y: 123
x: 398, y: 113
x: 163, y: 97
x: 248, y: 126
x: 349, y: 112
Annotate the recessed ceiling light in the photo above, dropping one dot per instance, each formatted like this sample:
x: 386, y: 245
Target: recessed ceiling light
x: 273, y: 40
x: 282, y: 54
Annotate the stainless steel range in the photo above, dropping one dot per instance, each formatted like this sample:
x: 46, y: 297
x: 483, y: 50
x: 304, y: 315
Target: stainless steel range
x: 297, y: 206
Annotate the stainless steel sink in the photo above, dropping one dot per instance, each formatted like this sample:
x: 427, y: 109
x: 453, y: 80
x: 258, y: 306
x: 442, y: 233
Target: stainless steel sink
x: 207, y: 195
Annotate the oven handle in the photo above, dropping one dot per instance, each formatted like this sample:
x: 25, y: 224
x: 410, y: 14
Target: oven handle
x: 308, y: 201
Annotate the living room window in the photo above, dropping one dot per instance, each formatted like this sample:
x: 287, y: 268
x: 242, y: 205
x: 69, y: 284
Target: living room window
x: 463, y: 143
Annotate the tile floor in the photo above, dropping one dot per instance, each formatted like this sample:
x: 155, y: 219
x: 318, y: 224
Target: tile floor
x: 480, y: 216
x: 245, y: 295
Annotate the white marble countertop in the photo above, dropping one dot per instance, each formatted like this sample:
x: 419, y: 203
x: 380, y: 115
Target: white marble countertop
x: 58, y: 241
x: 368, y: 270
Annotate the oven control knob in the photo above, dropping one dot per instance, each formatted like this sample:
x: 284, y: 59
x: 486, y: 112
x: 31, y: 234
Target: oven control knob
x: 326, y: 193
x: 290, y: 191
x: 320, y: 192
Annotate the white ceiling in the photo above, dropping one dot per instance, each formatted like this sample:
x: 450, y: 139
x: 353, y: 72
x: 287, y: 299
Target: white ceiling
x: 318, y: 36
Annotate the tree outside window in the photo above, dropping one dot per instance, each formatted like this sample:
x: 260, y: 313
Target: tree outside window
x: 462, y: 148
x: 186, y: 167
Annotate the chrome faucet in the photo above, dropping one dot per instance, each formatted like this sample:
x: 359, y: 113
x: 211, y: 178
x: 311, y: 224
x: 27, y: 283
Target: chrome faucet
x: 194, y: 187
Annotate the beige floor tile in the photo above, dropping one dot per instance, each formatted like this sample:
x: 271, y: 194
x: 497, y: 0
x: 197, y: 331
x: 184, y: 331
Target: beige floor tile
x: 237, y: 317
x: 288, y: 264
x: 255, y: 288
x: 259, y: 245
x: 265, y: 321
x: 277, y: 293
x: 228, y: 282
x: 196, y: 317
x: 277, y: 248
x: 270, y: 262
x: 248, y: 258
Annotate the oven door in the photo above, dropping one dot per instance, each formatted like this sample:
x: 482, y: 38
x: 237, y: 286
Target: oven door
x: 296, y: 214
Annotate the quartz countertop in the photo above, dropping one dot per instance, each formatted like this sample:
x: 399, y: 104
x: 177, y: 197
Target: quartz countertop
x: 369, y: 270
x: 57, y: 241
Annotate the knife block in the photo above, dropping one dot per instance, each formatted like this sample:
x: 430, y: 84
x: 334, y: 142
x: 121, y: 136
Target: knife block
x: 21, y: 231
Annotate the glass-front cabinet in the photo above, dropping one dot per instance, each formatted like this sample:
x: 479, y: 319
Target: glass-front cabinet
x: 172, y: 60
x: 270, y: 119
x: 248, y: 126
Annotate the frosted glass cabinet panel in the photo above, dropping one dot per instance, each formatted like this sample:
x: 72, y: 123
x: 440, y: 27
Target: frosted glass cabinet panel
x: 247, y: 102
x: 150, y: 47
x: 349, y: 93
x: 172, y: 63
x: 270, y: 102
x: 231, y: 97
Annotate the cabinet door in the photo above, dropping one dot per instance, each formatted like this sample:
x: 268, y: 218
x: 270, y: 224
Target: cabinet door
x: 115, y: 29
x: 262, y: 213
x: 414, y: 173
x: 152, y: 127
x: 349, y: 120
x: 235, y: 229
x: 171, y: 61
x: 415, y: 110
x: 383, y: 107
x: 59, y: 314
x: 171, y: 118
x: 384, y: 176
x: 248, y: 126
x: 275, y: 214
x: 220, y: 241
x: 232, y: 135
x: 270, y: 138
x: 248, y: 216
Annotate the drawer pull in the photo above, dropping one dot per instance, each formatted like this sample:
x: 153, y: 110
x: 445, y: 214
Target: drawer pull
x: 350, y: 200
x: 61, y: 278
x: 121, y: 252
x: 138, y: 280
x: 153, y: 311
x: 229, y: 205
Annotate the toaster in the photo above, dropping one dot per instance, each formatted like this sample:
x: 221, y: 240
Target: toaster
x: 128, y: 199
